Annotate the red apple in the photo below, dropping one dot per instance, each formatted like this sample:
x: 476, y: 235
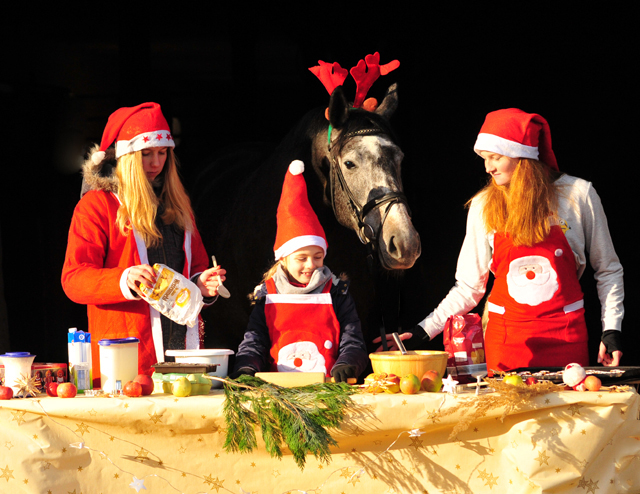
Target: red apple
x: 52, y: 389
x: 431, y: 381
x: 66, y: 390
x: 6, y: 393
x: 146, y: 382
x: 592, y: 383
x: 531, y: 380
x: 409, y: 384
x: 132, y: 389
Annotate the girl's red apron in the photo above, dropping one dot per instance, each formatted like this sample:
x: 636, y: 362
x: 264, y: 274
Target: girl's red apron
x: 536, y: 306
x: 305, y: 319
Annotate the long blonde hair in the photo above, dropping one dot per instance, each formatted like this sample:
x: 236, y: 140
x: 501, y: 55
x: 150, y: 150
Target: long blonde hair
x: 526, y: 207
x: 140, y: 204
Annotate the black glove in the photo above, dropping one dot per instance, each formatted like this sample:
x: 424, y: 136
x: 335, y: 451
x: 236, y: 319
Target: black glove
x: 612, y: 339
x: 242, y: 371
x: 341, y: 372
x: 418, y: 339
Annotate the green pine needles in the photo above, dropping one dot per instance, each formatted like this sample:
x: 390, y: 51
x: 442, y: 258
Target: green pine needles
x: 298, y: 417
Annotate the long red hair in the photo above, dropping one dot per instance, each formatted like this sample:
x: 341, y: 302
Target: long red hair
x: 525, y: 208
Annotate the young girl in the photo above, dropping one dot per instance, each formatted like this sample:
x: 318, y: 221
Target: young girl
x: 135, y: 212
x: 304, y: 319
x: 532, y: 227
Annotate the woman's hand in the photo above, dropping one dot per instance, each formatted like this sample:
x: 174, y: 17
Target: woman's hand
x: 142, y: 274
x: 609, y: 360
x: 208, y: 281
x: 391, y: 343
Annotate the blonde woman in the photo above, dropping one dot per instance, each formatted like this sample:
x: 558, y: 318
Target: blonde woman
x: 134, y: 212
x: 533, y: 228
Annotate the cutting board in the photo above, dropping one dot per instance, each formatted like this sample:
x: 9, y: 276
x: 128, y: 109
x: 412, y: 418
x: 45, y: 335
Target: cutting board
x: 293, y: 379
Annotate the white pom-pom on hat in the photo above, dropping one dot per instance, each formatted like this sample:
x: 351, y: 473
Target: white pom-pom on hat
x: 296, y: 167
x: 573, y: 375
x: 97, y: 157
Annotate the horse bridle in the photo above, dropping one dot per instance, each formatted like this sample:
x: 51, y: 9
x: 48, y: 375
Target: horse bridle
x: 366, y: 234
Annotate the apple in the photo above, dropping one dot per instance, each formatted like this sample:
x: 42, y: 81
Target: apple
x: 431, y: 381
x: 181, y: 387
x: 410, y: 384
x: 392, y: 384
x: 592, y: 383
x: 531, y: 380
x: 374, y: 382
x: 132, y: 389
x: 52, y: 389
x: 66, y: 390
x: 513, y: 379
x: 6, y: 393
x: 146, y: 382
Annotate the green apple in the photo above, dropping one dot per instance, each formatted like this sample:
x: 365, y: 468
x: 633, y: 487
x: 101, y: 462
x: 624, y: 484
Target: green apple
x: 181, y: 387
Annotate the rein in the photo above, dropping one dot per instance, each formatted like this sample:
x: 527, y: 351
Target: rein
x: 366, y: 233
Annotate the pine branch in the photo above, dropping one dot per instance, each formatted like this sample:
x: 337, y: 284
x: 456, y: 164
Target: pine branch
x: 295, y: 417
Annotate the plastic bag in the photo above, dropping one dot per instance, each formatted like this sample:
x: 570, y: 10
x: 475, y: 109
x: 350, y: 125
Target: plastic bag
x: 174, y: 296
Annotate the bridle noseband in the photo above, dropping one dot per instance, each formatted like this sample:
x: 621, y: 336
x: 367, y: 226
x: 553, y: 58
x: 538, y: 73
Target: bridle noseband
x: 366, y: 234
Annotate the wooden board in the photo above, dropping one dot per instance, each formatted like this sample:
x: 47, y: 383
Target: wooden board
x: 293, y: 379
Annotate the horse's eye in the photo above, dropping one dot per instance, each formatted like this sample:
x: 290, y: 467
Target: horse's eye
x: 349, y: 164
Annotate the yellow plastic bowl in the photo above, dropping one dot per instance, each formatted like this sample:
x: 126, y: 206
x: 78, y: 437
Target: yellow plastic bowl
x: 415, y: 362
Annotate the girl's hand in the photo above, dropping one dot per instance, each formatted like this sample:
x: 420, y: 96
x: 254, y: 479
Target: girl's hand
x: 208, y: 281
x: 391, y: 342
x: 609, y: 360
x: 142, y: 274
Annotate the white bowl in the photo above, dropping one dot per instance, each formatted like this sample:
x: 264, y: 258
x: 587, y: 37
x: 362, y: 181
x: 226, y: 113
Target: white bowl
x: 205, y: 356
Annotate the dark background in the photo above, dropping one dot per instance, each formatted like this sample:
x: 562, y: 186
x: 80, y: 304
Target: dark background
x: 237, y: 76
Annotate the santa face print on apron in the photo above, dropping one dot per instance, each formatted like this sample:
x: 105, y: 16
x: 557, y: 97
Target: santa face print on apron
x: 303, y: 329
x: 536, y: 307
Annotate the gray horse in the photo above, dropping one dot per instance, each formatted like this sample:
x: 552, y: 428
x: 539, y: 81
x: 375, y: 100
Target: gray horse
x: 353, y: 180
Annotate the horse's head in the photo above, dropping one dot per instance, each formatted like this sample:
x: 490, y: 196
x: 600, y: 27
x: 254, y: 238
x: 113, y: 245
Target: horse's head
x: 358, y: 162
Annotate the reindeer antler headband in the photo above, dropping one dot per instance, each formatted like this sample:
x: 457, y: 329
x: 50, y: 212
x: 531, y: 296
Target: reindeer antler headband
x: 365, y: 74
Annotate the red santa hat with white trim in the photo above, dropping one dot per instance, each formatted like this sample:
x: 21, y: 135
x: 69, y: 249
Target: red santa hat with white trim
x: 298, y: 225
x: 135, y: 128
x: 517, y: 134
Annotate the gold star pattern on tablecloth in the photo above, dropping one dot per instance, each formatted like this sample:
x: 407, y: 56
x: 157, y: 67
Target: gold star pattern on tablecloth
x: 182, y: 449
x: 92, y: 412
x: 433, y: 416
x: 8, y: 445
x: 142, y: 453
x: 6, y: 473
x: 543, y: 458
x: 155, y: 418
x: 215, y: 483
x: 575, y: 409
x: 482, y: 474
x: 18, y: 416
x: 416, y: 442
x: 82, y: 428
x: 345, y: 472
x: 491, y: 481
x: 275, y: 473
x: 357, y: 431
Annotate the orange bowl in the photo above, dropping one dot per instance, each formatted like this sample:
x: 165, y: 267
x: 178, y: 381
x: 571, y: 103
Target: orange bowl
x: 414, y: 362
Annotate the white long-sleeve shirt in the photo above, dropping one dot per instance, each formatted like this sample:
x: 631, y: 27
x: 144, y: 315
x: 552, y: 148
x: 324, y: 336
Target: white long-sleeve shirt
x: 587, y: 232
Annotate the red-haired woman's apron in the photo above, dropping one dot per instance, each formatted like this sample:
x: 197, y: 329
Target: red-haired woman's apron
x: 536, y: 306
x: 304, y: 330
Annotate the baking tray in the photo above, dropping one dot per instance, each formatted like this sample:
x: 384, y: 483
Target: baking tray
x: 184, y: 368
x: 608, y: 375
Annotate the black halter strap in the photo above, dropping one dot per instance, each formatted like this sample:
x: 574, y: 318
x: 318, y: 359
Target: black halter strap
x: 366, y: 234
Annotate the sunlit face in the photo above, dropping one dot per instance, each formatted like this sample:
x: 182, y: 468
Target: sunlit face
x: 303, y: 262
x: 153, y: 160
x: 500, y: 167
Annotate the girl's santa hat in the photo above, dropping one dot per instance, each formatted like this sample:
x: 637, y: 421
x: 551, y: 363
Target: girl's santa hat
x: 298, y: 225
x: 133, y: 129
x: 517, y: 134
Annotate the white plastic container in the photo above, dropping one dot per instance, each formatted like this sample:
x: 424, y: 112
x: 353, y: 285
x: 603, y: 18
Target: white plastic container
x: 118, y: 362
x: 16, y: 365
x: 205, y: 356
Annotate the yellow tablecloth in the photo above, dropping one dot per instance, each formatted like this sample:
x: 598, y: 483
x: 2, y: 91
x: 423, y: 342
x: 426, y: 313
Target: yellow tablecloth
x: 564, y: 442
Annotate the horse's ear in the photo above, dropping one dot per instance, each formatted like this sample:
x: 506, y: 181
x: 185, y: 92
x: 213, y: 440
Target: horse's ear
x: 338, y: 108
x: 389, y: 103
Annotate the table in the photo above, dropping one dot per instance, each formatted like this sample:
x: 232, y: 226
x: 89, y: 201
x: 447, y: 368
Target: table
x: 561, y: 442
